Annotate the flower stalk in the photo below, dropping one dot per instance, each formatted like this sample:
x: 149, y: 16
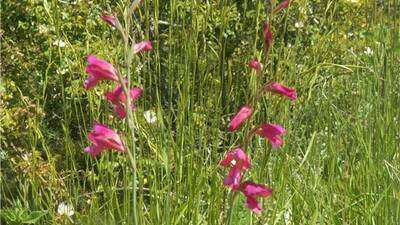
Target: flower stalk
x: 122, y: 96
x: 237, y: 159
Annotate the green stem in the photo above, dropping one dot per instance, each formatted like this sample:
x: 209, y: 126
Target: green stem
x: 129, y: 114
x: 231, y: 208
x: 132, y: 151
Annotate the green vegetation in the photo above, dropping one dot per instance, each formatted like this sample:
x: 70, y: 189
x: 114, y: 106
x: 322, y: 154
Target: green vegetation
x: 340, y: 163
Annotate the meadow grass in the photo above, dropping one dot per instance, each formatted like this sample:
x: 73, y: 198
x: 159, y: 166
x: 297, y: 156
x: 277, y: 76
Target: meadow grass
x: 340, y: 163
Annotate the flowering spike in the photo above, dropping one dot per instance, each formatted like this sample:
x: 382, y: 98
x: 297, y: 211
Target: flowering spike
x: 103, y: 138
x: 278, y: 88
x: 142, y: 46
x: 272, y: 132
x: 267, y: 37
x: 244, y: 113
x: 98, y: 70
x: 110, y: 19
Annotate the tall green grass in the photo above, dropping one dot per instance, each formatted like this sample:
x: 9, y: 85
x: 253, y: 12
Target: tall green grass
x: 340, y: 162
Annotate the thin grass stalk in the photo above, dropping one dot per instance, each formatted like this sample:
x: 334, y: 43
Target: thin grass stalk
x: 231, y: 208
x: 128, y: 51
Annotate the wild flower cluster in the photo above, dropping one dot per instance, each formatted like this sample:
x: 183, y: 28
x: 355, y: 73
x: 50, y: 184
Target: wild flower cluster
x: 123, y: 98
x: 237, y: 159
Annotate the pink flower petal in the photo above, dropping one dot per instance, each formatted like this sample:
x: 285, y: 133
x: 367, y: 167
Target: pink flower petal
x: 272, y: 132
x: 283, y: 5
x: 233, y: 177
x: 94, y: 150
x: 255, y: 64
x: 252, y: 191
x: 110, y: 19
x: 98, y: 70
x: 114, y: 96
x: 243, y: 114
x: 119, y: 109
x: 249, y: 188
x: 142, y: 46
x: 239, y: 156
x: 90, y: 82
x: 103, y: 138
x: 118, y: 98
x: 136, y: 92
x: 267, y: 36
x: 253, y: 205
x: 278, y: 88
x: 239, y: 161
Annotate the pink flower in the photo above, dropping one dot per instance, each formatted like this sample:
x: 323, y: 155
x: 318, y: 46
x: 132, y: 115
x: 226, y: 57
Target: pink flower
x: 278, y: 88
x: 240, y: 162
x: 253, y: 205
x: 238, y: 156
x: 103, y: 138
x: 110, y: 19
x: 267, y: 36
x: 252, y: 191
x: 283, y: 5
x: 98, y: 70
x: 272, y: 132
x: 142, y: 46
x: 233, y: 178
x: 255, y: 64
x: 244, y: 113
x: 118, y: 98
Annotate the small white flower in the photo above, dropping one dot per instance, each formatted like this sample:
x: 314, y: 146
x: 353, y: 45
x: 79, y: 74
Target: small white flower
x: 61, y: 71
x: 26, y: 156
x: 42, y: 29
x: 139, y: 67
x: 288, y: 216
x: 150, y: 116
x: 299, y: 24
x: 64, y: 209
x: 59, y: 43
x: 368, y: 51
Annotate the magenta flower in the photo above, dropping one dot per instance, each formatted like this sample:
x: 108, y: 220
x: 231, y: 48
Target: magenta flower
x: 255, y: 64
x: 278, y: 88
x: 244, y: 113
x: 110, y: 19
x: 142, y: 46
x: 103, y: 138
x: 233, y: 178
x: 252, y: 191
x: 267, y: 36
x: 118, y: 98
x: 240, y: 162
x: 272, y: 132
x: 98, y: 70
x: 236, y: 157
x: 283, y: 5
